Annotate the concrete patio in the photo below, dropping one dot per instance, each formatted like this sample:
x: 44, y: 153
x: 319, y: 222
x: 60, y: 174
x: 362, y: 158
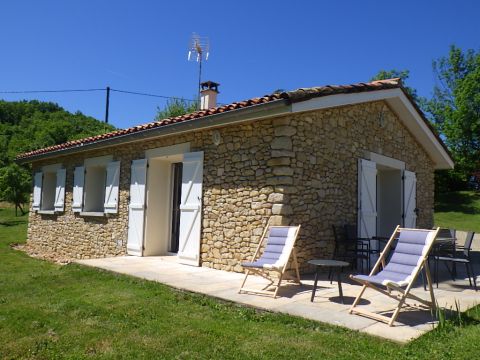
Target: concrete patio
x: 295, y: 299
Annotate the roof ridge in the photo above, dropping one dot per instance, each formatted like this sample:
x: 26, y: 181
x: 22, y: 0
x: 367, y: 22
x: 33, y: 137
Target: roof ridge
x: 302, y: 94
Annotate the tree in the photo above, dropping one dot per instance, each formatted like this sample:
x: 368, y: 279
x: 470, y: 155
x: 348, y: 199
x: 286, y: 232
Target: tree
x: 15, y: 183
x: 28, y: 125
x: 175, y: 107
x: 455, y: 111
x: 403, y: 75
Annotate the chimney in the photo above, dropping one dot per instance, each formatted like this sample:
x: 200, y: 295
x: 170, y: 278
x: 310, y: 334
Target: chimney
x: 208, y: 95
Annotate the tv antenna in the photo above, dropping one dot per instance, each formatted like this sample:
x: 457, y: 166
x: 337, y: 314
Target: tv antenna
x: 198, y: 50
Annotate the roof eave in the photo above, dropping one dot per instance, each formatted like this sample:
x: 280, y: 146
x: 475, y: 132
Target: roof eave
x: 254, y: 112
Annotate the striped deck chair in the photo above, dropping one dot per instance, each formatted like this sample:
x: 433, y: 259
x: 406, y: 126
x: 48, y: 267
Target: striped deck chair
x: 279, y: 248
x: 396, y: 278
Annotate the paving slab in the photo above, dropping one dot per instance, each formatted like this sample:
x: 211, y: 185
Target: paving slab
x: 400, y: 334
x: 294, y: 299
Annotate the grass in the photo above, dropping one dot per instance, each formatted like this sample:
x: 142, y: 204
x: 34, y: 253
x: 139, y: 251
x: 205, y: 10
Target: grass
x: 458, y: 210
x: 49, y: 311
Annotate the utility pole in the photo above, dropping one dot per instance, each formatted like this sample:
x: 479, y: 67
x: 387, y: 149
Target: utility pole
x: 107, y: 104
x: 199, y: 81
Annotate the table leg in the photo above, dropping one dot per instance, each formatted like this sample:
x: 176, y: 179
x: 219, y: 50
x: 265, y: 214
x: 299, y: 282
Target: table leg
x: 315, y: 284
x: 340, y: 291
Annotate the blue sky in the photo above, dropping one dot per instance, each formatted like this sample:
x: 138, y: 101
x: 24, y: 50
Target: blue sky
x: 256, y: 47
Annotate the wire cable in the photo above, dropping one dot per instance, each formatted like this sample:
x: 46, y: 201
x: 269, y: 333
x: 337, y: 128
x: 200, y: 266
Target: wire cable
x: 48, y: 91
x: 99, y: 89
x: 95, y: 89
x: 151, y: 95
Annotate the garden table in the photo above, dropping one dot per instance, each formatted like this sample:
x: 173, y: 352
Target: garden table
x: 331, y: 264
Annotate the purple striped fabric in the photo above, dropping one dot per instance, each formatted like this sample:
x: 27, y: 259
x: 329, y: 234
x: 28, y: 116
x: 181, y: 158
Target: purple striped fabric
x: 404, y: 260
x: 276, y: 241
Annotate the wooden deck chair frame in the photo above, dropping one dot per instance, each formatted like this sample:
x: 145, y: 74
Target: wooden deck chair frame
x: 404, y: 294
x: 282, y: 275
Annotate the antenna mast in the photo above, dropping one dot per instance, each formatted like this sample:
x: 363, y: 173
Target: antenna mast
x: 198, y: 50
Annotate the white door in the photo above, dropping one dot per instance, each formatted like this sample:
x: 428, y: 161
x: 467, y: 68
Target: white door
x: 409, y: 199
x: 367, y: 198
x: 136, y: 208
x: 191, y: 209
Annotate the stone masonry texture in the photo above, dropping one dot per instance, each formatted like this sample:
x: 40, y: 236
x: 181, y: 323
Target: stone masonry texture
x: 292, y: 169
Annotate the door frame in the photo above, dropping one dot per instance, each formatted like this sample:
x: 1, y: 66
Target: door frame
x: 384, y: 160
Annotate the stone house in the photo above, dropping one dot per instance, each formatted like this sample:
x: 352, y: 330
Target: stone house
x: 202, y: 186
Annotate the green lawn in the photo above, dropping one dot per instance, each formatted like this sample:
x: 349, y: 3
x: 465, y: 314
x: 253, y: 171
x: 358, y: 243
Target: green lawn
x: 50, y: 311
x: 458, y: 210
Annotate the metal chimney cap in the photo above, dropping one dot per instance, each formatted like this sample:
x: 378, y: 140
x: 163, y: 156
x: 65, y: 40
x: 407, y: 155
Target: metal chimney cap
x: 210, y: 85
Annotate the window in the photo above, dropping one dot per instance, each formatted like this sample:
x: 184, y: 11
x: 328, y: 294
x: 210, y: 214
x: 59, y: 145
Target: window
x: 49, y: 189
x: 95, y: 188
x: 49, y: 185
x: 95, y: 177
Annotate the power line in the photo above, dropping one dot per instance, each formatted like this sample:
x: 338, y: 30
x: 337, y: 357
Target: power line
x: 151, y: 95
x: 48, y: 91
x: 94, y: 89
x: 107, y: 89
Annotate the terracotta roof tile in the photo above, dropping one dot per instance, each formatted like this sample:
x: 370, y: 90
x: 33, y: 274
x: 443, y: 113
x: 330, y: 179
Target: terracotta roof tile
x: 301, y: 94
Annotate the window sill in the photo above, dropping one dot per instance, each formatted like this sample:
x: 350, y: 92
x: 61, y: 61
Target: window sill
x: 92, y: 213
x: 46, y: 212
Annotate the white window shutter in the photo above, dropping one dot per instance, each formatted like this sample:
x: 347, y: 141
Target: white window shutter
x: 78, y: 181
x: 111, y: 187
x: 60, y: 191
x: 191, y: 209
x: 136, y: 208
x: 367, y: 198
x: 37, y: 191
x: 409, y: 199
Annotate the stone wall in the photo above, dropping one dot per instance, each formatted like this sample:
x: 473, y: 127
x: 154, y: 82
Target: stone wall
x: 326, y: 146
x: 294, y: 169
x: 237, y: 200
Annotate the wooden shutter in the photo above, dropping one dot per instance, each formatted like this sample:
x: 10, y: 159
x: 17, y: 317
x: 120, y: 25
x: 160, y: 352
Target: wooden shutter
x: 78, y: 181
x: 37, y: 191
x: 409, y: 199
x: 367, y: 198
x: 60, y: 191
x: 111, y: 187
x: 190, y: 209
x: 136, y: 208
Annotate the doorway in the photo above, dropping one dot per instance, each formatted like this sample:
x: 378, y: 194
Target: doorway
x: 381, y: 195
x: 162, y: 217
x: 165, y: 209
x: 177, y: 169
x: 386, y: 198
x: 389, y: 200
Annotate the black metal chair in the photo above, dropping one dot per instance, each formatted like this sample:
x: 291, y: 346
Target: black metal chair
x: 465, y: 258
x: 364, y: 245
x: 350, y: 248
x: 445, y: 246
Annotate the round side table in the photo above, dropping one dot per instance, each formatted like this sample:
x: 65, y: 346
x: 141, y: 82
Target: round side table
x: 330, y: 264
